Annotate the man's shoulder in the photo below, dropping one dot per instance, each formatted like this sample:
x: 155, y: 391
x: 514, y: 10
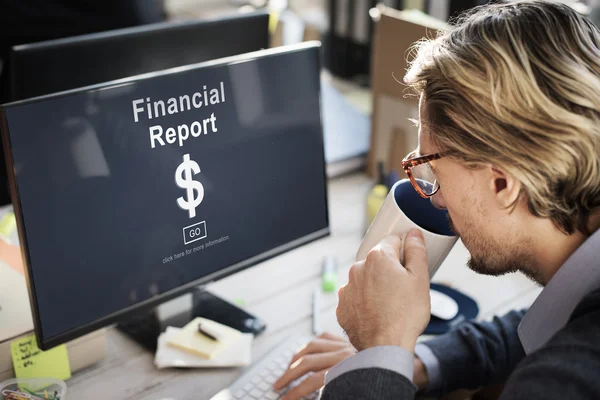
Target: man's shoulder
x: 589, y: 305
x: 583, y: 326
x: 567, y: 366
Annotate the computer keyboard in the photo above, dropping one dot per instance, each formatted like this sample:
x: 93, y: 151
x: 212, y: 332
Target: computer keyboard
x: 257, y: 382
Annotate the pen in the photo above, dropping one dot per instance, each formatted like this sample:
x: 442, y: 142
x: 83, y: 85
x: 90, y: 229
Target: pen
x: 315, y: 312
x: 204, y: 332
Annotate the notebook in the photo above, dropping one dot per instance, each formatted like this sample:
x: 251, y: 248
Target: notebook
x: 237, y: 355
x: 190, y: 340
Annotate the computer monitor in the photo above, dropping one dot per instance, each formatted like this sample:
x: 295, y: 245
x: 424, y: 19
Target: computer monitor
x: 132, y: 192
x: 56, y: 65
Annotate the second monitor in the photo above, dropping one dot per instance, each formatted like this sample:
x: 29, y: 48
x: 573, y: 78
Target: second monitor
x: 63, y: 64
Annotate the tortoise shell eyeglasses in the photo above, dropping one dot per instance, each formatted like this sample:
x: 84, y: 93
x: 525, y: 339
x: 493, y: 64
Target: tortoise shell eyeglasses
x: 421, y: 174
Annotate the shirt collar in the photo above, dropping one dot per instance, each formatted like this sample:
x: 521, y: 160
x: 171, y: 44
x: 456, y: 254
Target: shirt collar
x: 550, y: 312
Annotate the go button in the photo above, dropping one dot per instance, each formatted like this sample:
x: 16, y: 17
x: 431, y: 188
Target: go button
x: 194, y: 232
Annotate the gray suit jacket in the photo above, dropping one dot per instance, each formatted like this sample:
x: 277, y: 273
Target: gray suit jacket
x: 477, y: 354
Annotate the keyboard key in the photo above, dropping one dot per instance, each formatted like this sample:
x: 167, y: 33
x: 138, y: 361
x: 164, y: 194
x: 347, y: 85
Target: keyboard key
x: 272, y: 396
x: 248, y: 387
x: 271, y: 379
x: 264, y: 386
x: 257, y: 394
x: 264, y: 373
x: 256, y: 379
x: 239, y: 394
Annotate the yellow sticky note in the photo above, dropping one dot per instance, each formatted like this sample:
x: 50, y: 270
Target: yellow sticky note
x: 188, y: 338
x: 8, y: 224
x: 31, y: 362
x: 273, y: 20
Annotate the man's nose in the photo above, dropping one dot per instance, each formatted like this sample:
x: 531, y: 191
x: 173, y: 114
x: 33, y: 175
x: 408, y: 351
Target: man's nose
x: 438, y: 200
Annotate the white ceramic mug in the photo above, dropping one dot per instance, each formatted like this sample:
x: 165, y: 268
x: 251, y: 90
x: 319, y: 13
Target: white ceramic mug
x: 403, y: 210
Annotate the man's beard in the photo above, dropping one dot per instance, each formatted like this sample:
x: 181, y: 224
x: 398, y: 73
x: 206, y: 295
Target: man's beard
x: 492, y: 262
x: 492, y: 268
x: 517, y: 263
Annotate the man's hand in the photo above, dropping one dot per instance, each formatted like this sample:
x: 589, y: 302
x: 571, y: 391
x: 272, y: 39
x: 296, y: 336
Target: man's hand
x: 321, y: 354
x: 385, y: 303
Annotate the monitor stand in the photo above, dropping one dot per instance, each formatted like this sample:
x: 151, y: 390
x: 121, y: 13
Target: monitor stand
x: 145, y: 327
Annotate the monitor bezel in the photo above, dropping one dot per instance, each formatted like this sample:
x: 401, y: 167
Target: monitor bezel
x: 46, y: 343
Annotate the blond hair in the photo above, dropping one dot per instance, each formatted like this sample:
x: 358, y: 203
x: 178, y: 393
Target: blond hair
x: 517, y: 85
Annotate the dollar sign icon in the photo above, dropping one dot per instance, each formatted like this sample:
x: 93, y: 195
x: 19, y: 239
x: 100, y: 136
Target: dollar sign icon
x: 183, y: 178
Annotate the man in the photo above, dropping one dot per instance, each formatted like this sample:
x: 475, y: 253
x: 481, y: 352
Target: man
x: 509, y: 140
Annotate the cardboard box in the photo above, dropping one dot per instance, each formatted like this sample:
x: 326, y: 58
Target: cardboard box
x: 290, y: 28
x: 401, y: 139
x: 392, y: 134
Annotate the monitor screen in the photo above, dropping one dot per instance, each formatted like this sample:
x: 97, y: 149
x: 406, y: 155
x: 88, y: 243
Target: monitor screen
x: 56, y: 65
x: 132, y: 192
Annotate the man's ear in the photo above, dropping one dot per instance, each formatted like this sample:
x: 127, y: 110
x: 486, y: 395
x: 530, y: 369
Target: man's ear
x: 505, y: 187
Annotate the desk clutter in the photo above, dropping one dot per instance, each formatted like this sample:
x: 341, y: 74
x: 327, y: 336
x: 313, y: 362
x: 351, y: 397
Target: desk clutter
x: 203, y: 343
x: 31, y: 362
x: 33, y: 389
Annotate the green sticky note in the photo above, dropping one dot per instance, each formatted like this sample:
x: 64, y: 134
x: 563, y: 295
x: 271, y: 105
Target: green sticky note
x: 239, y: 302
x: 31, y: 362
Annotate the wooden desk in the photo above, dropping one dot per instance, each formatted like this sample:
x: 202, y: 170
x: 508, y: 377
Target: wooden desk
x: 279, y: 291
